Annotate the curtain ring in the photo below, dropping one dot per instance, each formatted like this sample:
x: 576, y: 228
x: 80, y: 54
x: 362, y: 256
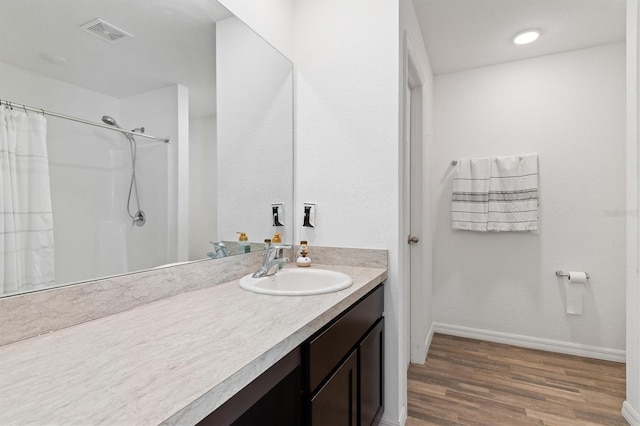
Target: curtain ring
x: 42, y: 111
x: 24, y: 107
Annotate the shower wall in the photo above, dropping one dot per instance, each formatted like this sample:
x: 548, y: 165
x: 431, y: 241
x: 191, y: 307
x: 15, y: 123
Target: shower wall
x: 90, y: 170
x: 163, y: 113
x: 570, y: 109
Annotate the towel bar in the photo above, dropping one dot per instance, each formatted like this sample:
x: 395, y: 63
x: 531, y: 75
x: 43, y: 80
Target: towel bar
x: 566, y: 274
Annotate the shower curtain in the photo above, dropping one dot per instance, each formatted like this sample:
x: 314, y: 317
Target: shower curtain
x: 26, y: 219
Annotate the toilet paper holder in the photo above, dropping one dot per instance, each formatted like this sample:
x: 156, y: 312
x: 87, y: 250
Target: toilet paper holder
x: 566, y: 274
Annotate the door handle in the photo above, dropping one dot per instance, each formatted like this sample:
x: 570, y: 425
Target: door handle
x: 413, y: 240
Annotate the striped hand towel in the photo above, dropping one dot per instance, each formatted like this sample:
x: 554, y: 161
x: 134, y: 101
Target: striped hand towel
x: 470, y: 198
x: 513, y: 193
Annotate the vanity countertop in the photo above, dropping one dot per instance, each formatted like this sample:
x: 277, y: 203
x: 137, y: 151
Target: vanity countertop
x: 172, y: 361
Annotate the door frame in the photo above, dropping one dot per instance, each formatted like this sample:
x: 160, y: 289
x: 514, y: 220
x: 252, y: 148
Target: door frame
x: 414, y: 282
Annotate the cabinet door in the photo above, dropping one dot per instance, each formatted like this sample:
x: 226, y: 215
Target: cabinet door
x: 336, y: 402
x: 371, y: 375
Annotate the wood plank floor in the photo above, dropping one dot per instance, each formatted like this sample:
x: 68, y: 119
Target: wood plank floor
x: 472, y: 382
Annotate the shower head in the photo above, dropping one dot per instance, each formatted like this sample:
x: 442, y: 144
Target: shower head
x: 110, y: 121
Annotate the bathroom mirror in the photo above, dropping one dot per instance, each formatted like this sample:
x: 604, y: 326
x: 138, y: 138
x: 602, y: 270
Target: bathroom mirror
x: 189, y: 71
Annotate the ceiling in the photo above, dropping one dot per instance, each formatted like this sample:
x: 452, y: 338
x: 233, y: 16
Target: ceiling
x: 174, y: 42
x: 465, y: 34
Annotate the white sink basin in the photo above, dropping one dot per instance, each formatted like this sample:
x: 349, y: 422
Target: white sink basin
x: 298, y: 282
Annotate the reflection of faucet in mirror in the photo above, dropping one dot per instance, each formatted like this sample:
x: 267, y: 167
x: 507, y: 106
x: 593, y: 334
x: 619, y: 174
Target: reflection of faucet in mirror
x: 273, y: 259
x: 221, y: 251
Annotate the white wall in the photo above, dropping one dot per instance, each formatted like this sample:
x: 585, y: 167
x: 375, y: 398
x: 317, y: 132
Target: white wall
x: 421, y: 294
x: 569, y: 108
x: 347, y: 54
x: 272, y: 19
x: 203, y: 178
x: 255, y: 134
x: 631, y: 406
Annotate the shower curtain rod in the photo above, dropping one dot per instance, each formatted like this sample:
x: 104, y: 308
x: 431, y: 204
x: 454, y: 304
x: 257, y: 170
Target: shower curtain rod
x: 79, y: 120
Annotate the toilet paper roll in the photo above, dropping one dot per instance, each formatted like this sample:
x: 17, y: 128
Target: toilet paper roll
x: 577, y: 277
x: 575, y: 292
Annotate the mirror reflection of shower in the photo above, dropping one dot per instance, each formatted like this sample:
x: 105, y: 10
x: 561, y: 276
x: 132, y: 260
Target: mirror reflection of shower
x: 138, y: 217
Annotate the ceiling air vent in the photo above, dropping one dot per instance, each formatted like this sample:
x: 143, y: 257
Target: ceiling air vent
x: 105, y: 31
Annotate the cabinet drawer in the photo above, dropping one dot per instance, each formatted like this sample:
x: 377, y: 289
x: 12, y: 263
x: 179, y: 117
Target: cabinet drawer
x: 326, y: 350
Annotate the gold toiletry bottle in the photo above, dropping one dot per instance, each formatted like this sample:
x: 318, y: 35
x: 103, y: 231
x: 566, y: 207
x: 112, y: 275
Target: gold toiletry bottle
x: 243, y: 243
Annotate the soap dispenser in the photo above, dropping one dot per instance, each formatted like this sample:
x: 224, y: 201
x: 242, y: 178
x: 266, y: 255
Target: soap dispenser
x: 243, y: 243
x: 302, y: 259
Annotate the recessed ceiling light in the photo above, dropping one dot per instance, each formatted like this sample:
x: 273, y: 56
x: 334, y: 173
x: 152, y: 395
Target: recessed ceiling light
x: 526, y: 37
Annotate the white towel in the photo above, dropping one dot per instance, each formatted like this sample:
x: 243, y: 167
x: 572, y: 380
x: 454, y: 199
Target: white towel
x: 513, y: 193
x: 470, y: 198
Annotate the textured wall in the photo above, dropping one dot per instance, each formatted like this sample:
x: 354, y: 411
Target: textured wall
x: 255, y: 134
x: 570, y: 108
x: 346, y: 55
x: 272, y: 19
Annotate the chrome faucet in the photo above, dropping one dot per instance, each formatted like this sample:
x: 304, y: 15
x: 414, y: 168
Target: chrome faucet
x: 221, y: 250
x: 273, y: 258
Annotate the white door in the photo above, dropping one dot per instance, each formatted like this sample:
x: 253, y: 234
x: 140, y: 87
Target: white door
x: 413, y: 219
x: 406, y: 221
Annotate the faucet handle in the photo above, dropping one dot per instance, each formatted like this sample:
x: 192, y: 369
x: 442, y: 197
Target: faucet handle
x: 282, y: 246
x: 274, y: 252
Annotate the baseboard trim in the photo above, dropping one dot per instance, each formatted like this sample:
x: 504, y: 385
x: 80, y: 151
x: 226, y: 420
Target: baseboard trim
x: 387, y: 422
x: 532, y: 342
x: 630, y: 415
x: 390, y: 422
x: 427, y: 342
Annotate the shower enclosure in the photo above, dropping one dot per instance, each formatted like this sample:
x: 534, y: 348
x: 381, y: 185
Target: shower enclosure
x: 138, y: 217
x: 101, y: 176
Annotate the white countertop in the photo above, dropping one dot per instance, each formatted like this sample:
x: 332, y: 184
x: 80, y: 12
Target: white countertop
x: 172, y: 361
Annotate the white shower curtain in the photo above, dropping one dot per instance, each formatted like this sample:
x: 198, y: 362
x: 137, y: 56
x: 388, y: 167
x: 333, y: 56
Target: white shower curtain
x: 26, y: 220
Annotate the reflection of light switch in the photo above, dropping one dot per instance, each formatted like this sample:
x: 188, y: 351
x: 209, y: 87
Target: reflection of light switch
x: 277, y: 214
x: 309, y: 215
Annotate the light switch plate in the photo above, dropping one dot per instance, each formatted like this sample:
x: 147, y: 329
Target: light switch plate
x: 309, y: 215
x: 277, y: 214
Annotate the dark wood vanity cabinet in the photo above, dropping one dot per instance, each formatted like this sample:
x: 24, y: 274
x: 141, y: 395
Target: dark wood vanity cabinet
x: 336, y: 403
x: 371, y: 356
x: 344, y: 372
x: 272, y: 399
x: 334, y: 378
